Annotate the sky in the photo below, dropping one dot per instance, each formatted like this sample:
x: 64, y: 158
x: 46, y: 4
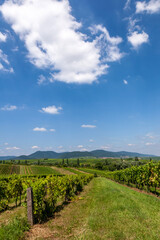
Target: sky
x: 79, y: 75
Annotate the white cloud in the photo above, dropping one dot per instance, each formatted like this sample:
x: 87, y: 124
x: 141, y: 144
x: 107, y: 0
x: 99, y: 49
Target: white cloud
x: 84, y: 149
x: 136, y: 36
x: 3, y: 37
x: 127, y: 5
x: 105, y: 147
x: 35, y: 147
x: 125, y: 82
x: 12, y: 148
x: 133, y: 24
x: 54, y: 41
x: 9, y: 108
x: 91, y: 140
x: 80, y: 146
x: 149, y: 144
x: 3, y: 57
x: 6, y: 144
x: 38, y: 129
x: 107, y: 44
x: 131, y: 144
x: 150, y: 136
x: 152, y: 6
x: 60, y: 147
x: 52, y: 130
x: 41, y: 80
x: 51, y: 110
x: 88, y: 126
x: 4, y: 63
x: 136, y: 39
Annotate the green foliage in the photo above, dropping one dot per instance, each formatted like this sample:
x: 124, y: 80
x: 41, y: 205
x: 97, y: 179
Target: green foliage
x: 142, y: 176
x: 14, y: 230
x: 47, y: 190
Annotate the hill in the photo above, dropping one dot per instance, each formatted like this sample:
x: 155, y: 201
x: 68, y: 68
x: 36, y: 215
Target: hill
x: 7, y: 157
x: 78, y: 154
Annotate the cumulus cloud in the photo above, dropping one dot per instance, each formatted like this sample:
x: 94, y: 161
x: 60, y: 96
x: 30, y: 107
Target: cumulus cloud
x: 9, y: 108
x: 51, y: 110
x: 54, y: 40
x: 35, y: 147
x: 39, y: 129
x: 136, y: 36
x: 152, y: 6
x: 125, y: 82
x: 12, y: 148
x: 3, y: 37
x: 136, y: 39
x: 91, y: 140
x: 107, y: 44
x: 88, y: 126
x: 131, y: 144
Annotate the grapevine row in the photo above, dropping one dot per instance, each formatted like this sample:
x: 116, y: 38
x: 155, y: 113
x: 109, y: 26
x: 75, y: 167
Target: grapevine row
x: 47, y: 191
x: 146, y: 176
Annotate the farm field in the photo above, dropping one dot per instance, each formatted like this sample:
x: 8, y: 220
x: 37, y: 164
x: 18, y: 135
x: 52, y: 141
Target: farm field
x: 101, y: 173
x: 63, y: 171
x: 105, y: 210
x: 6, y: 169
x: 9, y: 169
x: 74, y: 170
x: 83, y: 161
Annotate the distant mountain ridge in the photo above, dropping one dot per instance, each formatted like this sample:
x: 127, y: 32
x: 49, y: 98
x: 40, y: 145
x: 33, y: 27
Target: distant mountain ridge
x: 78, y: 154
x: 7, y: 157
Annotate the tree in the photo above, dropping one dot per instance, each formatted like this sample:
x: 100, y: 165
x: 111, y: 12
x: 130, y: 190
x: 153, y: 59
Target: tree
x: 136, y: 159
x: 78, y: 162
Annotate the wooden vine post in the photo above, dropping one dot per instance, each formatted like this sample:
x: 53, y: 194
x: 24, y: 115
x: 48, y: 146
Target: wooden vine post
x: 30, y: 206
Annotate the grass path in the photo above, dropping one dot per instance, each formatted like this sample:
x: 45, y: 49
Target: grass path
x: 62, y: 171
x: 105, y: 211
x: 7, y: 216
x: 74, y: 170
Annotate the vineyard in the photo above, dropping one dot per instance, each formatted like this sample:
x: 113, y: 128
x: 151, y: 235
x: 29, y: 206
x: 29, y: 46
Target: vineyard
x: 52, y: 191
x: 46, y: 191
x: 8, y: 169
x: 145, y: 177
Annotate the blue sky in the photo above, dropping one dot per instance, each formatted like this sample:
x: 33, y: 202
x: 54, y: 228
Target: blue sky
x: 79, y: 75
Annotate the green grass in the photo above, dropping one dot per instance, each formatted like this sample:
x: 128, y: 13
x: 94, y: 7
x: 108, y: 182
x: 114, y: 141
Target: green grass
x: 117, y: 212
x: 109, y: 211
x: 41, y: 170
x: 101, y: 173
x: 14, y: 230
x: 74, y: 170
